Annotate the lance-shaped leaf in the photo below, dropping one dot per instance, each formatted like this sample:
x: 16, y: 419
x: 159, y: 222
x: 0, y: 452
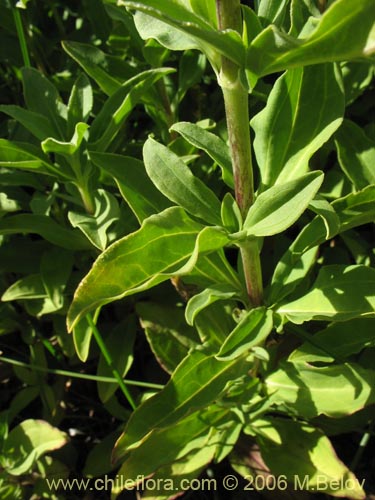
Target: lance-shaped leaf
x: 280, y: 206
x: 166, y: 244
x: 169, y: 336
x: 299, y: 452
x: 27, y: 442
x: 42, y: 97
x: 25, y: 156
x: 310, y: 392
x: 117, y: 108
x: 356, y: 153
x: 337, y: 341
x: 175, y: 180
x: 352, y: 210
x: 197, y: 382
x: 339, y: 293
x: 203, y: 299
x: 95, y: 227
x: 284, y: 139
x: 173, y: 13
x: 133, y: 182
x: 251, y: 331
x: 109, y: 72
x: 45, y: 227
x: 273, y: 50
x: 213, y: 145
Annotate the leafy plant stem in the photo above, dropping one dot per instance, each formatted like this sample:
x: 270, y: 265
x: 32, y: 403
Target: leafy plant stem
x: 108, y: 358
x: 21, y: 37
x: 362, y: 446
x: 238, y: 124
x: 84, y: 376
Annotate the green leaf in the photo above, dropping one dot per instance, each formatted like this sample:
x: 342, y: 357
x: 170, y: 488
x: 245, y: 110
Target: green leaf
x: 117, y: 108
x: 30, y: 287
x: 210, y: 40
x: 175, y: 180
x: 281, y: 205
x: 326, y: 211
x: 352, y: 210
x: 36, y: 123
x: 82, y: 334
x: 356, y: 154
x: 205, y: 298
x: 339, y: 293
x: 211, y: 144
x: 299, y: 452
x: 133, y: 182
x: 29, y: 441
x: 51, y: 145
x: 119, y: 344
x: 271, y: 12
x: 138, y: 261
x: 169, y: 336
x: 252, y: 329
x: 25, y: 156
x: 167, y: 445
x: 45, y: 227
x: 109, y: 72
x: 95, y: 227
x: 334, y: 391
x: 191, y: 69
x: 284, y: 139
x: 273, y: 50
x: 80, y: 103
x: 55, y: 277
x: 42, y: 97
x: 197, y: 382
x: 337, y: 341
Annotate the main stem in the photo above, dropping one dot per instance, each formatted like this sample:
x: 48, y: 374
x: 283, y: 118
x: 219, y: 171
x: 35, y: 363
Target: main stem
x: 238, y: 124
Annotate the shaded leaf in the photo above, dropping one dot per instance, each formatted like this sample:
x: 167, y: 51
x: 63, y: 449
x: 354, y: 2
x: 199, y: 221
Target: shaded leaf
x: 36, y: 123
x: 196, y: 382
x: 27, y: 442
x: 205, y: 298
x: 45, y: 227
x: 339, y: 293
x: 356, y: 154
x: 273, y: 50
x: 117, y: 108
x: 284, y: 139
x: 130, y: 265
x: 169, y: 336
x: 119, y: 344
x: 95, y: 227
x: 310, y: 392
x: 352, y: 210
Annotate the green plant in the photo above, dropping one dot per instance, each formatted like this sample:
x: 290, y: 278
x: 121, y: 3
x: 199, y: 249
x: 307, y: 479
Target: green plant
x: 272, y: 274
